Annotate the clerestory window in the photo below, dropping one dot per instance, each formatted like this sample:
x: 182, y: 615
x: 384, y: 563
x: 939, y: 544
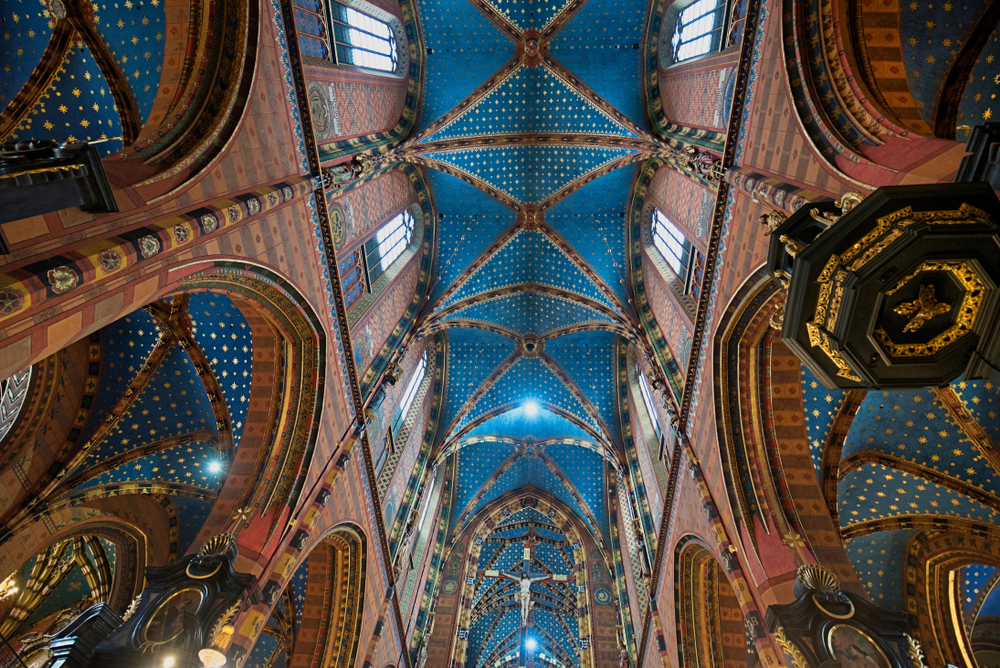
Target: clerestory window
x: 388, y: 243
x: 698, y: 29
x: 343, y: 35
x: 647, y: 398
x: 685, y: 261
x: 411, y: 391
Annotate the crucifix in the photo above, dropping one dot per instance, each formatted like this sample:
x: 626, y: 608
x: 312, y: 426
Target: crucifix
x: 525, y: 577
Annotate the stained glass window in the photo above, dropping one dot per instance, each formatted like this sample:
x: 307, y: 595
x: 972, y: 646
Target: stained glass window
x: 387, y: 244
x: 698, y: 29
x: 345, y: 36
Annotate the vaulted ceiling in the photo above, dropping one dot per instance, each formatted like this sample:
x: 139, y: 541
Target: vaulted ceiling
x: 530, y: 125
x: 530, y: 128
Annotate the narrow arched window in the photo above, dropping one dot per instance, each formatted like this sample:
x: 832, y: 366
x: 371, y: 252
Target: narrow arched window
x: 411, y: 390
x: 340, y: 34
x: 387, y: 244
x: 647, y: 398
x: 675, y: 248
x: 361, y: 39
x: 698, y: 29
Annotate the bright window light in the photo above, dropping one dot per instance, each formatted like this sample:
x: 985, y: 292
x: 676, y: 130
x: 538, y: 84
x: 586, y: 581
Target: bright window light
x: 531, y: 644
x: 531, y: 409
x: 214, y: 467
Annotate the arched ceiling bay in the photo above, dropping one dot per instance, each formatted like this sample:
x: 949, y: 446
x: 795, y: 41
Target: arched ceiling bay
x: 530, y: 127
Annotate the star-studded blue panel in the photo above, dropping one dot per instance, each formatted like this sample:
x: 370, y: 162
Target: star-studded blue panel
x: 975, y: 579
x: 532, y: 100
x: 26, y: 31
x: 532, y: 471
x: 530, y: 174
x: 470, y: 220
x: 602, y: 44
x: 299, y: 582
x: 186, y: 464
x: 263, y: 649
x: 589, y: 359
x: 541, y: 426
x: 528, y: 380
x: 77, y: 106
x: 529, y: 257
x: 991, y: 606
x: 505, y: 628
x: 463, y: 49
x: 821, y: 406
x: 977, y: 95
x: 134, y: 31
x: 873, y: 491
x: 980, y: 398
x: 476, y: 465
x: 530, y: 313
x: 496, y: 611
x: 173, y: 402
x: 224, y: 336
x: 592, y: 220
x: 880, y: 561
x: 931, y: 35
x: 191, y: 515
x: 553, y: 634
x: 529, y: 16
x: 913, y: 426
x: 473, y: 354
x: 528, y: 515
x: 585, y: 469
x: 125, y: 347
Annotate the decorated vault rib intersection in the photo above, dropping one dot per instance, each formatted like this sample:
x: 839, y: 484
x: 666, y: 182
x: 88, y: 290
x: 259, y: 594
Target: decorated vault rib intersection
x: 529, y: 129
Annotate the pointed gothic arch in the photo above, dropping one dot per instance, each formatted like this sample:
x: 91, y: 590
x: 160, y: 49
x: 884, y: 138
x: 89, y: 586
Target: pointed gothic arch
x: 332, y: 611
x: 710, y: 627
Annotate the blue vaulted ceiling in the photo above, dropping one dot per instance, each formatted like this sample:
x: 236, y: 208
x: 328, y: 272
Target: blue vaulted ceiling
x: 908, y: 454
x: 495, y: 610
x: 530, y: 125
x: 153, y: 421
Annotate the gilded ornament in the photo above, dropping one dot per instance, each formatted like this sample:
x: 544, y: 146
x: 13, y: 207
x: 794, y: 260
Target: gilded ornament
x: 149, y: 246
x: 11, y: 300
x: 356, y: 168
x: 773, y: 220
x: 813, y: 576
x: 132, y: 607
x: 915, y: 652
x: 887, y: 230
x: 62, y: 279
x: 966, y: 318
x: 922, y: 309
x: 846, y: 202
x: 218, y: 545
x: 792, y: 247
x: 798, y: 660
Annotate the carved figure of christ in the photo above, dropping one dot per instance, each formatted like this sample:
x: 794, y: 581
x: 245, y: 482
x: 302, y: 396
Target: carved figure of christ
x: 524, y: 579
